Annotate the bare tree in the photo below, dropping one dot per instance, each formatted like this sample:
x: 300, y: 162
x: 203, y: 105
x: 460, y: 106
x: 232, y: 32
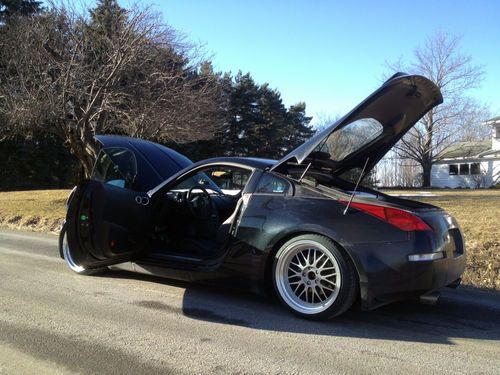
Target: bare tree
x: 459, y: 117
x: 66, y: 74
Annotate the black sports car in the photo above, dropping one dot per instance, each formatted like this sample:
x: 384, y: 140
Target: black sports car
x: 303, y: 225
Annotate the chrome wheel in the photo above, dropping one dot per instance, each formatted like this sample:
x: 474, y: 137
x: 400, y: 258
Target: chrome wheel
x: 67, y: 256
x: 308, y: 276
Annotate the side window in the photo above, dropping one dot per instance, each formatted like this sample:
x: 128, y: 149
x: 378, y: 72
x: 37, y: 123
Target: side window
x: 226, y: 179
x: 115, y: 166
x: 231, y: 180
x: 272, y: 184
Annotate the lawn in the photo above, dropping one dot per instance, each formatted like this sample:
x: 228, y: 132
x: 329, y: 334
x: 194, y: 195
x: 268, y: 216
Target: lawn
x: 41, y: 210
x: 477, y: 211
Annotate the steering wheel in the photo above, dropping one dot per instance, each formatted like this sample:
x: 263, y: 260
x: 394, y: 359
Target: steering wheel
x: 199, y: 204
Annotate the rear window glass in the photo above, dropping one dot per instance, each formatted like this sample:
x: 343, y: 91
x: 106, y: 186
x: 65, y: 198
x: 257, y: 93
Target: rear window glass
x: 349, y: 139
x: 115, y: 166
x: 271, y: 184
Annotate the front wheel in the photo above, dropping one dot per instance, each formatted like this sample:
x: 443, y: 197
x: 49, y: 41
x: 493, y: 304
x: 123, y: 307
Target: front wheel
x: 66, y: 254
x: 314, y: 278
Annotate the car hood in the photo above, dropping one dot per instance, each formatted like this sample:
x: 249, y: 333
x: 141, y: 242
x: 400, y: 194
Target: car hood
x: 370, y: 130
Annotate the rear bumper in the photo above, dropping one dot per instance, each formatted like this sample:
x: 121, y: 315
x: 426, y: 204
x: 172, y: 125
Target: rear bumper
x: 395, y: 271
x: 426, y: 262
x: 413, y: 280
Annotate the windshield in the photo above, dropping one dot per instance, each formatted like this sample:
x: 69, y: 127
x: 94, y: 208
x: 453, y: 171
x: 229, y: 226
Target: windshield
x: 350, y: 138
x: 199, y: 179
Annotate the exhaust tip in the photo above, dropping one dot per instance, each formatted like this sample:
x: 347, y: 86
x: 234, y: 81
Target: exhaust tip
x: 430, y: 298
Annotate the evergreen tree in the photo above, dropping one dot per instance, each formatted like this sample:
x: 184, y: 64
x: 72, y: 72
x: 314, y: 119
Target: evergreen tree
x: 299, y: 129
x: 108, y: 18
x: 9, y: 8
x: 260, y: 124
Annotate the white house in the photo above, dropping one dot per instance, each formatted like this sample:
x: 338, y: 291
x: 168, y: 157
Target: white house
x: 470, y: 164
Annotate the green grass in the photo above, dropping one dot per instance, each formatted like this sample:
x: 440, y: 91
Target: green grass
x: 477, y: 211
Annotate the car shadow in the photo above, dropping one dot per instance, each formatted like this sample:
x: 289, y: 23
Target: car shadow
x: 464, y: 313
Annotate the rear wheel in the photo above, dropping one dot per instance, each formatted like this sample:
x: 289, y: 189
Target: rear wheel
x: 72, y: 264
x: 314, y: 278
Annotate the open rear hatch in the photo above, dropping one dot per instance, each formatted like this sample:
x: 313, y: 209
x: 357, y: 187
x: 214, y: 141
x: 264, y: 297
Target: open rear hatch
x: 369, y: 131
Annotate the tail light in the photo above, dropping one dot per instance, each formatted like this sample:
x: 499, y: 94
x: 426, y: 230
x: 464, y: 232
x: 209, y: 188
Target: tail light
x: 401, y: 219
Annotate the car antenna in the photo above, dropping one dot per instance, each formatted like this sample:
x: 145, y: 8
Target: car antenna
x: 357, y: 184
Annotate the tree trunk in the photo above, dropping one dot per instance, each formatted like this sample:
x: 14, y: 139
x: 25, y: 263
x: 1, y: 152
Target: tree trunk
x: 426, y: 173
x: 87, y: 164
x: 85, y: 149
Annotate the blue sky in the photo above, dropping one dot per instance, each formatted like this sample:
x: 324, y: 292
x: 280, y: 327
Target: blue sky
x: 331, y: 54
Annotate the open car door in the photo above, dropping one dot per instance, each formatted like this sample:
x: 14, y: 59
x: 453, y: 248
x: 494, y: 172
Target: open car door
x: 106, y: 224
x: 107, y: 221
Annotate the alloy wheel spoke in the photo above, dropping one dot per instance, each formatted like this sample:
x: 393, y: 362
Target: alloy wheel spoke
x: 318, y: 259
x: 298, y: 261
x: 329, y: 281
x: 321, y: 288
x: 326, y: 268
x: 329, y: 275
x: 301, y: 293
x: 297, y: 288
x: 328, y: 288
x: 323, y: 265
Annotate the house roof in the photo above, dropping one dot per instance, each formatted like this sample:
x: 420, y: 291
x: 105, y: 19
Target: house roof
x: 466, y: 149
x: 494, y: 120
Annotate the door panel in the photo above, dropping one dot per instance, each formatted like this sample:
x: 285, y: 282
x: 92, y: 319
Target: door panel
x: 107, y: 224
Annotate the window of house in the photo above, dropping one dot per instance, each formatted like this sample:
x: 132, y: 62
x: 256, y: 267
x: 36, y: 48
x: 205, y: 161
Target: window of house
x: 475, y: 168
x: 464, y: 169
x: 453, y: 169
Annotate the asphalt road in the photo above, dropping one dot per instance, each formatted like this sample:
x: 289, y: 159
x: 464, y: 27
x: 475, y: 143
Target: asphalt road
x: 55, y: 322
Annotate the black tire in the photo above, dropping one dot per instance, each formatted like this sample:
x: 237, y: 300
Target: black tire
x: 295, y: 272
x: 65, y: 252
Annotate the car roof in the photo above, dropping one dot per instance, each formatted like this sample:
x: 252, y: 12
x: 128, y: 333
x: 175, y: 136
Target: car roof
x: 156, y: 163
x: 259, y: 163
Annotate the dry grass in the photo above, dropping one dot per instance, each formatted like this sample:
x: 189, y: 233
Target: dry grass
x: 477, y: 211
x: 40, y: 210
